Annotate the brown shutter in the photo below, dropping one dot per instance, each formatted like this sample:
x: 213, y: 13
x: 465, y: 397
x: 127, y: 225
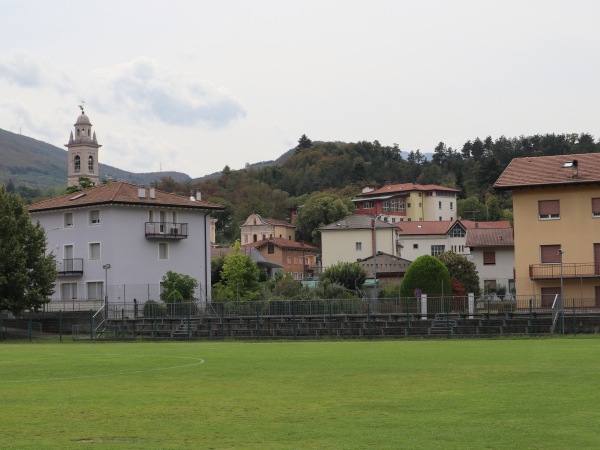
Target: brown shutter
x: 548, y: 207
x: 596, y: 206
x: 489, y: 257
x: 549, y: 254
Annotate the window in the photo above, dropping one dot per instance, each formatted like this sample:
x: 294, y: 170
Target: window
x: 68, y: 291
x: 489, y: 258
x: 457, y: 231
x: 451, y: 207
x: 548, y: 209
x: 489, y: 285
x: 76, y: 163
x: 163, y: 250
x: 408, y: 205
x: 358, y: 246
x: 150, y: 216
x: 68, y: 218
x: 437, y: 249
x: 596, y: 207
x: 385, y: 206
x: 368, y: 204
x: 415, y: 246
x: 270, y: 248
x: 95, y: 217
x: 393, y: 220
x: 91, y: 164
x: 289, y: 260
x: 295, y: 275
x: 94, y: 290
x: 439, y: 205
x: 440, y: 218
x: 549, y: 254
x: 94, y: 252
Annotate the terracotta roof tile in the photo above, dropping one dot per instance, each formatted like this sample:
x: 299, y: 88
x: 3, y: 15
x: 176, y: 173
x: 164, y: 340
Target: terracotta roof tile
x: 119, y: 193
x: 282, y: 243
x: 280, y: 222
x: 406, y: 187
x: 490, y: 237
x: 444, y: 226
x: 356, y: 221
x: 550, y: 170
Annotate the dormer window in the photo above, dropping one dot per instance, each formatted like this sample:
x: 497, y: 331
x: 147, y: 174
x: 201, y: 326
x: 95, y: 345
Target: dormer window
x: 77, y: 163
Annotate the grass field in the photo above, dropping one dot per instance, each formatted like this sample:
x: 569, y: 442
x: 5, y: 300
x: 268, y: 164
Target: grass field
x: 529, y: 393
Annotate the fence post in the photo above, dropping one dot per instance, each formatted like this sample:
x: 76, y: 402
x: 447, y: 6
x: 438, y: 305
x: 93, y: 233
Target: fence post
x: 189, y: 327
x: 330, y: 319
x: 257, y: 322
x: 530, y: 317
x: 488, y: 319
x: 406, y: 304
x: 30, y: 324
x: 222, y: 321
x: 423, y: 306
x: 369, y: 320
x: 91, y: 325
x: 293, y: 305
x: 123, y: 323
x: 59, y: 324
x: 0, y: 326
x: 574, y: 323
x: 471, y: 305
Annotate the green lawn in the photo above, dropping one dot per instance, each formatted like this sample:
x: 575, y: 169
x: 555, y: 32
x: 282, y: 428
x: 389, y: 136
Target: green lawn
x: 529, y: 393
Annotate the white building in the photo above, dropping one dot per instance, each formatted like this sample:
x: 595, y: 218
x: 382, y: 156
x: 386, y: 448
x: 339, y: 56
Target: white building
x: 493, y: 251
x: 140, y: 233
x: 355, y: 238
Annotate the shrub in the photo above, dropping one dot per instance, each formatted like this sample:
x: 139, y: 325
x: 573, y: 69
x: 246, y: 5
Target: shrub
x: 154, y: 309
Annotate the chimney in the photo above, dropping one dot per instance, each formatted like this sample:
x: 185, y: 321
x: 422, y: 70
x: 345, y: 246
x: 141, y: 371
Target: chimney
x: 141, y: 191
x: 198, y: 196
x: 152, y: 193
x: 575, y: 169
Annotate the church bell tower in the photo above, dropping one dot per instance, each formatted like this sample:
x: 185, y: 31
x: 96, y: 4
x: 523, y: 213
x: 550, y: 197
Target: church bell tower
x: 82, y: 152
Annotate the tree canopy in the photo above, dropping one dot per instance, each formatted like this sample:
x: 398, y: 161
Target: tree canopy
x: 428, y: 274
x: 240, y: 277
x: 319, y: 209
x: 27, y: 274
x: 178, y: 288
x: 349, y: 275
x: 462, y: 271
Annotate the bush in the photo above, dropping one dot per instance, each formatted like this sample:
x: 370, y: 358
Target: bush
x: 154, y: 309
x: 428, y: 274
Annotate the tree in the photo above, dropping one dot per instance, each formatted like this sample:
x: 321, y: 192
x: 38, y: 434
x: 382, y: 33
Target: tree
x: 239, y: 277
x: 178, y: 288
x: 27, y: 274
x: 427, y: 273
x: 303, y: 143
x: 286, y: 288
x: 462, y: 271
x: 319, y: 210
x: 83, y: 183
x: 348, y: 275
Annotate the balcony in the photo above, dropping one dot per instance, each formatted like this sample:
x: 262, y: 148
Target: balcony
x: 69, y: 267
x: 166, y: 230
x: 569, y: 270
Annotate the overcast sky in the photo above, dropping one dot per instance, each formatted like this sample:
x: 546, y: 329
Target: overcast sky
x: 193, y: 86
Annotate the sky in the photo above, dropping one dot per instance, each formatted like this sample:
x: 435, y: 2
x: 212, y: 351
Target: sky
x: 193, y: 86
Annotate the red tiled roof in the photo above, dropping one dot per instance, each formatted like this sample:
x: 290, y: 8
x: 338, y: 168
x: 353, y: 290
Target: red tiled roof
x: 279, y: 222
x: 406, y: 187
x: 490, y: 237
x: 550, y: 170
x: 119, y: 193
x: 444, y: 226
x: 282, y: 243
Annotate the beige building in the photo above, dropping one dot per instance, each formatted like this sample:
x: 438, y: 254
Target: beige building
x: 408, y: 202
x: 257, y: 228
x: 82, y: 152
x: 556, y: 205
x: 355, y: 238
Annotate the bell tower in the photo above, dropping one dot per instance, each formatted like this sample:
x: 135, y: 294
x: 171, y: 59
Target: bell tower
x: 82, y: 152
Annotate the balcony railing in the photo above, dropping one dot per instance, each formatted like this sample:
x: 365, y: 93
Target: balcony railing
x: 68, y: 267
x: 166, y: 230
x: 569, y: 270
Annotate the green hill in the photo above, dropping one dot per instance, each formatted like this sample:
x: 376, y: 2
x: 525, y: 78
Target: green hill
x: 29, y: 162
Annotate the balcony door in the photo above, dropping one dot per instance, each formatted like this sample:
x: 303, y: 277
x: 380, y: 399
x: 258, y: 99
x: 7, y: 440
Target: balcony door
x: 597, y: 296
x: 68, y: 258
x: 597, y: 258
x: 548, y: 296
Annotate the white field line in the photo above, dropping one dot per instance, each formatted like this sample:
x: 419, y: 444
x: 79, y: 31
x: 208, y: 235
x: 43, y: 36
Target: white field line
x: 196, y: 362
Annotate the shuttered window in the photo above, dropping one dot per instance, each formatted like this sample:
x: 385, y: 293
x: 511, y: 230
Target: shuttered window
x: 489, y: 258
x: 549, y: 209
x: 596, y: 207
x: 549, y: 254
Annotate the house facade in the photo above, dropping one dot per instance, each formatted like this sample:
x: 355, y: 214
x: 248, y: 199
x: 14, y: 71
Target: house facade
x: 493, y: 253
x: 408, y: 202
x: 357, y: 237
x: 257, y: 228
x: 436, y: 237
x: 556, y: 207
x: 118, y: 240
x: 296, y: 258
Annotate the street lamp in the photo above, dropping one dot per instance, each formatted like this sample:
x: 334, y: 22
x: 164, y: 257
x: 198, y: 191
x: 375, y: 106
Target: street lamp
x: 106, y: 267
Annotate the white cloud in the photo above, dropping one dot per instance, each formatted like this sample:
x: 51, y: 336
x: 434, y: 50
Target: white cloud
x: 27, y: 71
x: 147, y: 89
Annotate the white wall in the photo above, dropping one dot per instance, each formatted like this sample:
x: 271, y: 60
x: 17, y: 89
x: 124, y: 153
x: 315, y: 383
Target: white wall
x: 340, y: 245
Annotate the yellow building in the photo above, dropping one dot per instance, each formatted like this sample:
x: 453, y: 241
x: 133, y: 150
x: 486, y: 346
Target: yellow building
x: 556, y: 206
x: 257, y: 228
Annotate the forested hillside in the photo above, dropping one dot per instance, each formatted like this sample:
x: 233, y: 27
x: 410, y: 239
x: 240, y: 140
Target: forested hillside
x: 344, y: 169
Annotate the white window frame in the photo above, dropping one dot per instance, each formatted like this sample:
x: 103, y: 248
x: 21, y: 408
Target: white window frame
x: 96, y: 288
x: 163, y: 255
x: 68, y: 220
x: 358, y: 246
x: 91, y: 251
x: 94, y: 221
